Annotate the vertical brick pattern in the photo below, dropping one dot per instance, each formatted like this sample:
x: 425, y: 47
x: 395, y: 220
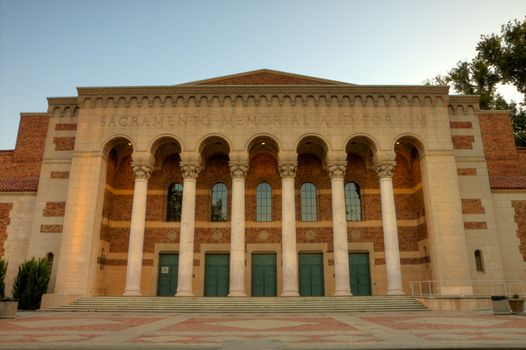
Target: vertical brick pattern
x: 522, y: 160
x: 263, y: 168
x: 499, y: 144
x: 25, y: 161
x: 216, y: 170
x: 520, y: 220
x: 5, y: 210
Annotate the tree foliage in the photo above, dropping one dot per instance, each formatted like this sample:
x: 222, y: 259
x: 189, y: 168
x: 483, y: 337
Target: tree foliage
x: 31, y: 283
x: 3, y: 271
x: 500, y: 59
x: 507, y: 53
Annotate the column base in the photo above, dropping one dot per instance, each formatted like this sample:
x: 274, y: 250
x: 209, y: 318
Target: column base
x: 184, y: 294
x: 395, y: 292
x: 237, y: 294
x: 342, y: 293
x: 132, y: 293
x: 290, y: 294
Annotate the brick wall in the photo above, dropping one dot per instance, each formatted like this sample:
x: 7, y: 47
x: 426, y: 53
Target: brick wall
x: 5, y: 209
x: 472, y: 206
x: 264, y: 78
x: 520, y: 219
x: 499, y: 144
x: 522, y: 160
x: 54, y: 209
x: 462, y: 142
x: 64, y: 143
x: 25, y: 160
x: 263, y: 168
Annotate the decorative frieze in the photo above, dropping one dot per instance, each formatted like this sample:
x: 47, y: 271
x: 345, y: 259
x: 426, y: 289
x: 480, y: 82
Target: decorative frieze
x: 195, y: 96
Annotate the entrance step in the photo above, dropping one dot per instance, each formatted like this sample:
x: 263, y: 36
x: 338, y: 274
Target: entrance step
x: 243, y: 304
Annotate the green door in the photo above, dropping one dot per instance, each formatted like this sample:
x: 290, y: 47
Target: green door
x: 264, y: 275
x: 216, y: 275
x: 311, y: 275
x: 167, y: 280
x: 360, y: 275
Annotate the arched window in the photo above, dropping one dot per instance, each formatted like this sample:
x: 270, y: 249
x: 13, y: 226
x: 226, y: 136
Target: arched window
x: 308, y: 202
x: 353, y: 204
x: 50, y: 257
x: 263, y: 202
x: 219, y: 202
x: 174, y: 202
x: 479, y: 262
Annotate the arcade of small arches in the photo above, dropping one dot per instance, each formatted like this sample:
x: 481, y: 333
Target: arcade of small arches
x: 286, y: 194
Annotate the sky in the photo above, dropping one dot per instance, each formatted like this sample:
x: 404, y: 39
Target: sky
x: 50, y: 47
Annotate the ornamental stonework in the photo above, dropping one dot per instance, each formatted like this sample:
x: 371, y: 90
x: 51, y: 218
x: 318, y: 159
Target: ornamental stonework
x: 190, y: 170
x: 142, y: 170
x: 287, y: 169
x: 384, y: 168
x: 336, y: 169
x: 238, y: 170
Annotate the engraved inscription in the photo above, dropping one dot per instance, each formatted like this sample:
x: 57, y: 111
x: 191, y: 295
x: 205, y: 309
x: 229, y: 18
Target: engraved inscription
x: 259, y: 120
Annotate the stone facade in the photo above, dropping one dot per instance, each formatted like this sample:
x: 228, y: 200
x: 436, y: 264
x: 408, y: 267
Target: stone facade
x: 436, y: 180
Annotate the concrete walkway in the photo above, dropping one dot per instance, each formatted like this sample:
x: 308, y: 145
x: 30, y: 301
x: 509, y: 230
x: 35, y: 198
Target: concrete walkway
x: 409, y: 330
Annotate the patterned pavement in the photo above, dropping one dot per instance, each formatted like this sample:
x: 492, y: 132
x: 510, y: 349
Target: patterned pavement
x: 416, y: 330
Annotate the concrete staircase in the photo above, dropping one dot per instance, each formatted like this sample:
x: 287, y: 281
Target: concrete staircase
x: 244, y: 305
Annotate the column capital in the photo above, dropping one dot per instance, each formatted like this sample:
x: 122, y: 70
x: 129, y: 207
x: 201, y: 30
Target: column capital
x: 190, y: 170
x: 336, y: 168
x: 287, y: 169
x: 384, y: 168
x: 142, y: 169
x: 238, y: 169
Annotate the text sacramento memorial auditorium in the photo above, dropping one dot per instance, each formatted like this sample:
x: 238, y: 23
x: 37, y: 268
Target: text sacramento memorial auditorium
x: 265, y: 183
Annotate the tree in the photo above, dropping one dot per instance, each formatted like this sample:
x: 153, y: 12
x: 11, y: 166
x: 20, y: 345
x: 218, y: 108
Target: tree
x: 30, y: 283
x: 3, y: 270
x: 507, y: 53
x: 500, y: 59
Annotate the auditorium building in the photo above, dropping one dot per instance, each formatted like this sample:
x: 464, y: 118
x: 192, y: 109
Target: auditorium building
x: 265, y: 183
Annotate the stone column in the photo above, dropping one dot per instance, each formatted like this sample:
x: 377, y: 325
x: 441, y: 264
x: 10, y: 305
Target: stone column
x: 190, y: 170
x: 77, y: 267
x: 238, y: 171
x: 287, y: 170
x: 142, y: 170
x: 336, y: 171
x: 384, y: 169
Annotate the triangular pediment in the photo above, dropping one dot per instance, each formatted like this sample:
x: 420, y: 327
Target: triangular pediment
x: 266, y: 77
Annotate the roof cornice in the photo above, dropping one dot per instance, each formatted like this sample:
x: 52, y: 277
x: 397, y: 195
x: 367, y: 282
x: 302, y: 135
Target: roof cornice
x: 263, y: 89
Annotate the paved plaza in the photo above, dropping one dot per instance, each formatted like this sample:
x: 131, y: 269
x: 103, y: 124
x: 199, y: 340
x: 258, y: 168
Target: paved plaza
x: 414, y: 330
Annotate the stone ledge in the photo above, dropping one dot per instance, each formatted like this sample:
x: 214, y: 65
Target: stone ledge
x: 53, y: 300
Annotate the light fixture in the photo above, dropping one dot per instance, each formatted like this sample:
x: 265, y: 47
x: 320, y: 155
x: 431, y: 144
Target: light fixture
x: 397, y: 142
x: 263, y: 142
x: 129, y: 143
